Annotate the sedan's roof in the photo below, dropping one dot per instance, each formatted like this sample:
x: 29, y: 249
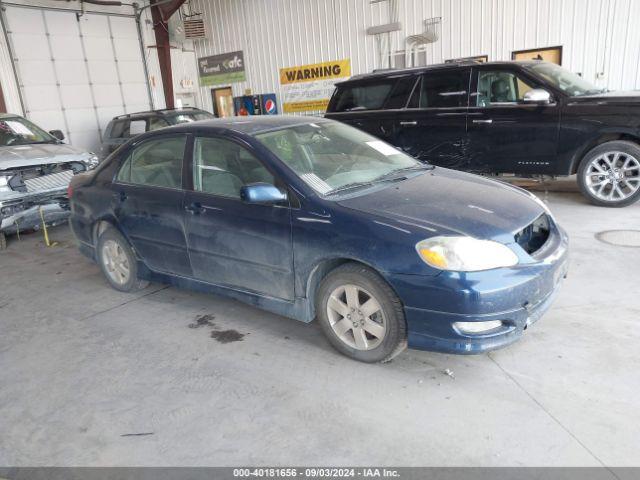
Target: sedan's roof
x: 251, y: 125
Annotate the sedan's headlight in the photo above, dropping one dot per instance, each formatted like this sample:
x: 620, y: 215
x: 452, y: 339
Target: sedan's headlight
x: 465, y: 254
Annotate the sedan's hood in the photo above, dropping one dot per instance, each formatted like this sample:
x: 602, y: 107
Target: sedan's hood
x: 445, y: 201
x: 39, y: 154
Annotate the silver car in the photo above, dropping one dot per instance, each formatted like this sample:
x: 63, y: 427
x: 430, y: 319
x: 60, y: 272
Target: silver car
x: 35, y: 170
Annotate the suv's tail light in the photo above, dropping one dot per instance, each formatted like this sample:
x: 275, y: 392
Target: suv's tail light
x: 69, y: 191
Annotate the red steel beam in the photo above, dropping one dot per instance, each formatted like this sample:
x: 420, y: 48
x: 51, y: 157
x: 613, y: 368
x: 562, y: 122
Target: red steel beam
x: 161, y: 11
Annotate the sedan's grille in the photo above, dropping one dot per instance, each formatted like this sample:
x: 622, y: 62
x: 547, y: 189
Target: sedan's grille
x: 48, y: 182
x: 532, y: 237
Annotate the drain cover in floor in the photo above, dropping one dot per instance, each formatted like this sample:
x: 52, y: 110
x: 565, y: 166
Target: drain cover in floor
x: 621, y: 238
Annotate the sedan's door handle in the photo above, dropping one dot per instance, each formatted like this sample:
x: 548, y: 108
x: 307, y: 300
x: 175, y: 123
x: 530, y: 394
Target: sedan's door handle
x: 483, y: 121
x: 195, y: 208
x: 409, y: 123
x: 120, y: 196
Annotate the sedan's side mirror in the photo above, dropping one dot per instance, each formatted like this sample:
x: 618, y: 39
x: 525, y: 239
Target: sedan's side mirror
x: 262, y: 193
x: 537, y: 96
x: 57, y: 134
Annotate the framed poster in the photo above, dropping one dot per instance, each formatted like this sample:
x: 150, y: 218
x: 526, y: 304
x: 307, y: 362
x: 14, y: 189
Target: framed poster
x: 477, y: 58
x: 548, y: 54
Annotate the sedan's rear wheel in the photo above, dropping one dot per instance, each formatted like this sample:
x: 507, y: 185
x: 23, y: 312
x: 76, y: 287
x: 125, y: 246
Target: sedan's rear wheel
x: 609, y: 175
x: 360, y: 314
x: 118, y: 262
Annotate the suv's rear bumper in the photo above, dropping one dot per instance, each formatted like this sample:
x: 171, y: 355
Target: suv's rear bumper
x: 516, y: 296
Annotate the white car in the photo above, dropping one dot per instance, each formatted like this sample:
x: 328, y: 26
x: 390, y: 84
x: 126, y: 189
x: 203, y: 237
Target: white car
x: 35, y: 170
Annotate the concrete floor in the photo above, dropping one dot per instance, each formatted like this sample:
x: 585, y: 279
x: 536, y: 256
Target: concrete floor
x: 83, y: 366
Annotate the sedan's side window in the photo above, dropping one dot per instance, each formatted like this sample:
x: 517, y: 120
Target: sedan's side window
x: 155, y: 163
x: 222, y: 167
x: 500, y: 87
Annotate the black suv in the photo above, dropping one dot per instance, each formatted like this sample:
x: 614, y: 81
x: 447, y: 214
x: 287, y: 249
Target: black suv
x: 523, y: 118
x: 123, y: 127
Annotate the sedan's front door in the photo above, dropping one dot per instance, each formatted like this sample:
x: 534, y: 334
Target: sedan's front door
x: 506, y: 134
x: 147, y: 201
x: 232, y: 243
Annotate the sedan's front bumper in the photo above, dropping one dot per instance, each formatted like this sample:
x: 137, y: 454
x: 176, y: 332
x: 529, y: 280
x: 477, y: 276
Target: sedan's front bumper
x: 517, y: 297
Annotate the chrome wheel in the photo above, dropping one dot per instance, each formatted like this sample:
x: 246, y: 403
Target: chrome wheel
x: 356, y: 317
x: 613, y: 176
x: 116, y: 262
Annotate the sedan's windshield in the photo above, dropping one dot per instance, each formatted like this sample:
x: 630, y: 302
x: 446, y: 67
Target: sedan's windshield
x: 20, y: 131
x: 332, y: 157
x: 570, y: 83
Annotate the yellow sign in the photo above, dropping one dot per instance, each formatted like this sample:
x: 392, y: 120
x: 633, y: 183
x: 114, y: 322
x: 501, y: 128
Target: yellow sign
x: 315, y: 71
x: 309, y: 87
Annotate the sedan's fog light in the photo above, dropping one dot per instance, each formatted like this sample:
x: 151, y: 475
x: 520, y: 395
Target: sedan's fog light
x: 477, y: 327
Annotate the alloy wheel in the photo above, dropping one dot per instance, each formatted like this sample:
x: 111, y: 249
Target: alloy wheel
x: 613, y: 176
x: 356, y: 317
x: 116, y: 262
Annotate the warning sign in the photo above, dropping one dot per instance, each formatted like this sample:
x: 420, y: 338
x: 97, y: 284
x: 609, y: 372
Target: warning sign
x: 309, y: 87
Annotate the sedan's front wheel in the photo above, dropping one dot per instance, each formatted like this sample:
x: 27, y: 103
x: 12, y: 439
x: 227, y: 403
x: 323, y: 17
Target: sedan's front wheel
x: 360, y: 314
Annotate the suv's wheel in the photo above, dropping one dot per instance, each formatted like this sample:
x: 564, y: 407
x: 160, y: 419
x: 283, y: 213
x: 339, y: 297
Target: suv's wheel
x: 360, y: 314
x: 609, y: 175
x: 118, y: 262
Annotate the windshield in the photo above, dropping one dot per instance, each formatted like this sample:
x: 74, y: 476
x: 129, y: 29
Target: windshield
x: 570, y: 83
x: 331, y: 157
x: 20, y: 131
x: 189, y: 117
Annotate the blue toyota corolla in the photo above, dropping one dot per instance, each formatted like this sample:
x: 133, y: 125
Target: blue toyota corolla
x: 311, y: 218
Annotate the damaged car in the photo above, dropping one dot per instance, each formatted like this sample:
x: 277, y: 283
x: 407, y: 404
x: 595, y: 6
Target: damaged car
x: 35, y: 170
x: 313, y: 219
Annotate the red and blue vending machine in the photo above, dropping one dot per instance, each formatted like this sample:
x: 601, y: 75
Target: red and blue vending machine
x: 261, y: 104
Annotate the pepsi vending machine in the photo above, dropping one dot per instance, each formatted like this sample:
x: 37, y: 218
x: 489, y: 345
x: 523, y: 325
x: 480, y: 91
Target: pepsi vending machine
x: 262, y: 104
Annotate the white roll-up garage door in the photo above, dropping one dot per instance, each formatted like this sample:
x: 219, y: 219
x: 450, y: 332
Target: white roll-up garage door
x: 77, y: 72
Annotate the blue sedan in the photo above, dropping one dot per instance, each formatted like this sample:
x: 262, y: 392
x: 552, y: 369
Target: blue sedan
x: 313, y: 219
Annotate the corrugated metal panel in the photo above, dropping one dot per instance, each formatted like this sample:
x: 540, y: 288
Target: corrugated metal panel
x: 598, y: 37
x: 7, y: 77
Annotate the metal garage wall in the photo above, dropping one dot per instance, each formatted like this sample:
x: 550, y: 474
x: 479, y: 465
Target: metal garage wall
x: 7, y: 77
x: 76, y: 73
x: 598, y: 36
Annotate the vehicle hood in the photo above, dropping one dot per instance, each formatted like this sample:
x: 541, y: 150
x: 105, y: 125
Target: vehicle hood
x: 445, y: 201
x: 39, y: 154
x: 614, y: 97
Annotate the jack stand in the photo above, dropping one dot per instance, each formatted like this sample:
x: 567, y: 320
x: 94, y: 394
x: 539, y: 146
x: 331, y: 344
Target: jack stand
x: 45, y: 231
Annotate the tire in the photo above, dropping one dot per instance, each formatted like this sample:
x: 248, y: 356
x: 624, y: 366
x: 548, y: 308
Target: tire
x: 617, y: 186
x: 390, y: 330
x: 114, y: 266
